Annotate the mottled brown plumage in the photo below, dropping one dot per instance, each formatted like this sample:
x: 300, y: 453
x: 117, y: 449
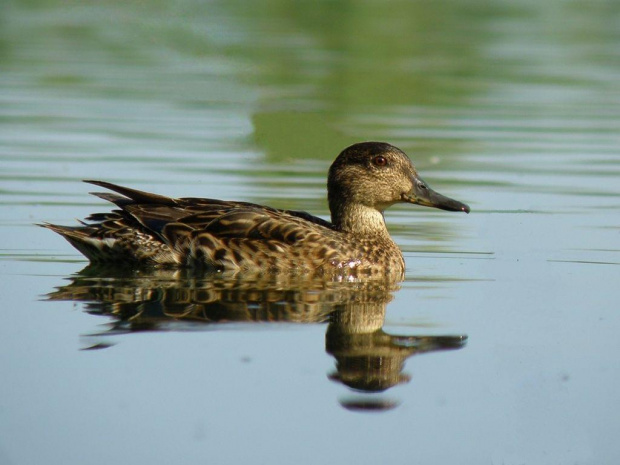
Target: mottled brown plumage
x: 364, y: 180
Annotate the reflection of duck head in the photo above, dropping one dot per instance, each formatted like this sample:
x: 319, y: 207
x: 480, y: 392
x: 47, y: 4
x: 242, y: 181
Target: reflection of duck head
x: 370, y: 360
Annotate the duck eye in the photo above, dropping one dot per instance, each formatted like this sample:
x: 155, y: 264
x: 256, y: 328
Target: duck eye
x: 379, y: 160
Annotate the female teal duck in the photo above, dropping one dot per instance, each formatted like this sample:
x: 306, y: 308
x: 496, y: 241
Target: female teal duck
x: 363, y: 181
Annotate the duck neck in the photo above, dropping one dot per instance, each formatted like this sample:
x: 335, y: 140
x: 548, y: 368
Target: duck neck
x: 360, y: 220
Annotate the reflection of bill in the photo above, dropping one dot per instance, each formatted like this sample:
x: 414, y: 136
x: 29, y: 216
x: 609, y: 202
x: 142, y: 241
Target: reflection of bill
x: 368, y: 359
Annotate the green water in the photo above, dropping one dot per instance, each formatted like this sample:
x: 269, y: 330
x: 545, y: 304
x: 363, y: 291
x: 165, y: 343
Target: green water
x: 513, y: 108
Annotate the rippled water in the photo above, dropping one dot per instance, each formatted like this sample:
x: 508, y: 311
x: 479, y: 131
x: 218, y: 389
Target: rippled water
x: 513, y: 108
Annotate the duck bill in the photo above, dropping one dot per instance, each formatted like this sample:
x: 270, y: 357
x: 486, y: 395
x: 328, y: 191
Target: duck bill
x: 421, y: 194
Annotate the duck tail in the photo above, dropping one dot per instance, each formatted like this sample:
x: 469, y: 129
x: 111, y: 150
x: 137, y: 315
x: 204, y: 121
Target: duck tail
x: 96, y: 249
x: 133, y: 194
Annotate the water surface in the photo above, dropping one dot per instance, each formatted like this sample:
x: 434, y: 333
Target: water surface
x: 511, y: 108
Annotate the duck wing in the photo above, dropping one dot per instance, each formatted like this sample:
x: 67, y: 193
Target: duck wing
x: 169, y: 218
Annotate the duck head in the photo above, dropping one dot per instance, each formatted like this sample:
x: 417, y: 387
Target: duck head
x: 376, y: 175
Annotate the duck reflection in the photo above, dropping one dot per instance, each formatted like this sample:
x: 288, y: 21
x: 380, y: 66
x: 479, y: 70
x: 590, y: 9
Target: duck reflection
x: 368, y: 360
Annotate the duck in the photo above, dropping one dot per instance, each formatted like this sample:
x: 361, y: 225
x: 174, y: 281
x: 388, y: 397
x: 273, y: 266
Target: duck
x: 232, y: 236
